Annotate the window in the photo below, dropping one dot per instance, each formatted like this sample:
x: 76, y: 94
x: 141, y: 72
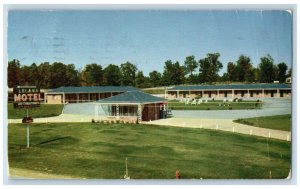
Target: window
x: 124, y: 110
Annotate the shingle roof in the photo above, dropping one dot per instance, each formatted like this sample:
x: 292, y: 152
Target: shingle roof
x: 230, y: 87
x: 132, y: 97
x: 93, y: 89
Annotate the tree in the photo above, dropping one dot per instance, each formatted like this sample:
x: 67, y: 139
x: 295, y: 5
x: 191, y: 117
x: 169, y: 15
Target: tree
x: 244, y: 69
x: 141, y: 81
x: 209, y: 68
x: 13, y: 73
x: 190, y: 64
x: 289, y: 74
x: 44, y: 75
x: 128, y: 71
x: 112, y: 75
x: 33, y: 75
x: 155, y: 78
x: 72, y: 76
x: 25, y: 75
x: 173, y: 73
x: 92, y: 75
x: 266, y: 69
x: 57, y: 75
x: 231, y: 71
x: 282, y: 69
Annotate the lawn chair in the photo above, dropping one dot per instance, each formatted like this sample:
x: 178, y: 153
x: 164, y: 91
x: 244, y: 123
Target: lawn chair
x: 199, y: 101
x: 187, y: 102
x: 194, y: 102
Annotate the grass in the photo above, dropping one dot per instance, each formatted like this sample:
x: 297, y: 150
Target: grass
x: 278, y: 122
x: 94, y: 150
x: 155, y: 91
x: 215, y: 105
x: 45, y: 110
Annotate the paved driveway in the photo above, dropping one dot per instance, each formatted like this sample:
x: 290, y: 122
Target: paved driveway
x: 224, y: 125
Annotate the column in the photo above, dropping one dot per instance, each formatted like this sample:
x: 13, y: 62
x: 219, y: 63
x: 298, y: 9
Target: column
x: 190, y: 94
x: 263, y: 93
x: 232, y: 93
x: 77, y: 95
x: 248, y: 93
x: 63, y: 98
x: 278, y: 94
x: 177, y: 94
x: 45, y: 97
x: 118, y: 112
x: 155, y: 113
x: 139, y: 113
x: 99, y: 97
x: 89, y: 97
x: 202, y: 93
x: 218, y: 95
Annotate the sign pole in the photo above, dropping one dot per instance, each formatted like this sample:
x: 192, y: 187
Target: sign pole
x: 27, y: 97
x: 27, y: 130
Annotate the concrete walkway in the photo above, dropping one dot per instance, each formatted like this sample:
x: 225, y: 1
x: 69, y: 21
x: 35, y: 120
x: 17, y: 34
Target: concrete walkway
x: 224, y: 125
x: 58, y: 119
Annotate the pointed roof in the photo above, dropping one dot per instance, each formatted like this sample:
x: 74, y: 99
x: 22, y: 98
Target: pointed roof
x: 132, y: 97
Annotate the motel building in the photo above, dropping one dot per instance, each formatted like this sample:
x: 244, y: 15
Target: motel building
x: 65, y: 95
x: 230, y: 91
x: 132, y: 106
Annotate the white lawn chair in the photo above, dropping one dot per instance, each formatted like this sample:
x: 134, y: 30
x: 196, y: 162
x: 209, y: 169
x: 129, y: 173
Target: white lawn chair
x: 187, y: 101
x: 199, y: 101
x: 194, y: 102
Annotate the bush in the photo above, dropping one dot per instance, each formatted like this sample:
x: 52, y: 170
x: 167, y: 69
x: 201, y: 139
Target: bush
x: 93, y: 120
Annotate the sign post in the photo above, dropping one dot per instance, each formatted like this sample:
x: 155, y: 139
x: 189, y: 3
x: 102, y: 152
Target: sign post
x: 27, y: 97
x: 27, y: 130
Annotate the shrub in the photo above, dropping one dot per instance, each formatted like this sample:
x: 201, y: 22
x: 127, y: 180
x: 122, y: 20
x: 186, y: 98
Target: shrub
x: 93, y: 120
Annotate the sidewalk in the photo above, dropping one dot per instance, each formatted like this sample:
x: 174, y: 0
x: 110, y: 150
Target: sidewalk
x: 224, y: 125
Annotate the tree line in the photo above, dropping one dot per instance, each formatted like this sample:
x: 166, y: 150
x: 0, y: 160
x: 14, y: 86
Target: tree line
x: 192, y: 71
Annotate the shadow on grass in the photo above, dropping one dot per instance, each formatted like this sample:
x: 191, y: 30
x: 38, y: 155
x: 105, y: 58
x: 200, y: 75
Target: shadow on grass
x: 52, y: 140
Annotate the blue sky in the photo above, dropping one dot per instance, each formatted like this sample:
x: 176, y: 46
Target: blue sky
x: 147, y: 38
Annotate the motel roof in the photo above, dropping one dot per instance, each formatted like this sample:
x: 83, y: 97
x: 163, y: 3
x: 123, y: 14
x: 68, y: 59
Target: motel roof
x: 230, y: 87
x: 132, y: 97
x: 93, y: 89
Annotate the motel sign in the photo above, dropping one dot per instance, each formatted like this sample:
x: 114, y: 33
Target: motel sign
x: 26, y: 97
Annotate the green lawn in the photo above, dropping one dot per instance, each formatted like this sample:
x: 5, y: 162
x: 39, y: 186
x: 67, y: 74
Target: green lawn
x: 45, y: 110
x: 215, y: 105
x: 278, y: 122
x: 154, y: 91
x: 93, y: 150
